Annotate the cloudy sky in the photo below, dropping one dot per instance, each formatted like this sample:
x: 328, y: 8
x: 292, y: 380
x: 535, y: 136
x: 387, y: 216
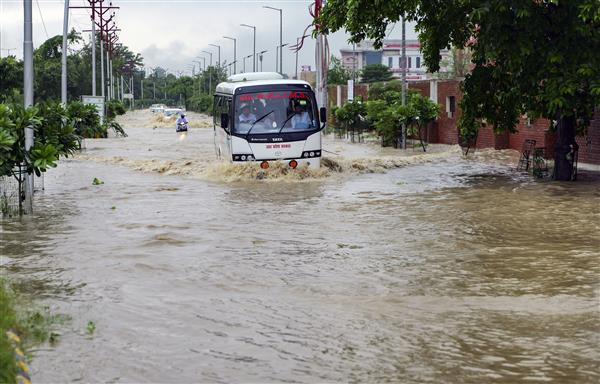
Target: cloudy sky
x: 171, y: 33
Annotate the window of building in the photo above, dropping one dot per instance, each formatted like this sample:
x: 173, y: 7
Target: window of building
x: 390, y: 62
x: 418, y: 62
x: 450, y: 106
x: 409, y: 62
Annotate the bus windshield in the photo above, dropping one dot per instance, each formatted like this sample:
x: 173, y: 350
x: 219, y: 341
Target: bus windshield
x: 274, y: 112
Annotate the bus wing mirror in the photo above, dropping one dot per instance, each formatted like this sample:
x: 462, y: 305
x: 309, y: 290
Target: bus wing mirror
x: 224, y: 120
x: 323, y: 114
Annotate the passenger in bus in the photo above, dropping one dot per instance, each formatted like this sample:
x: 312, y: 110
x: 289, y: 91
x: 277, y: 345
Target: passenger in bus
x: 246, y: 116
x: 301, y: 119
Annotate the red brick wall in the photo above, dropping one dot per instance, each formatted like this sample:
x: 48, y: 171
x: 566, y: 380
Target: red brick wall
x: 536, y: 131
x: 421, y: 86
x: 444, y: 130
x: 589, y: 145
x: 447, y: 131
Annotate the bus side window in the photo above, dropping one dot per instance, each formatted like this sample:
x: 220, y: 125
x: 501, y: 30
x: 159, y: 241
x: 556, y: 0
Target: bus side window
x: 216, y: 108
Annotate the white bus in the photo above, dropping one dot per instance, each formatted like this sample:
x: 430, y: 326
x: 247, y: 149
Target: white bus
x: 263, y: 117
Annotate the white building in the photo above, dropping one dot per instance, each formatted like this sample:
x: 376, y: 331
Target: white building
x: 363, y: 53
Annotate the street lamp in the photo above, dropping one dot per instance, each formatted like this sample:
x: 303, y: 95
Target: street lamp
x: 253, y: 46
x: 234, y: 52
x: 279, y: 53
x: 246, y: 57
x: 209, y: 71
x: 208, y: 53
x: 204, y: 61
x: 219, y: 53
x: 260, y: 56
x: 280, y: 32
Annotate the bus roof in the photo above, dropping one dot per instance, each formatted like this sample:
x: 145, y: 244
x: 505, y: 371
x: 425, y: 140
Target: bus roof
x: 253, y: 79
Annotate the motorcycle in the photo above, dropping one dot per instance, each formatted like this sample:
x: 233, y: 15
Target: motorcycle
x: 181, y: 127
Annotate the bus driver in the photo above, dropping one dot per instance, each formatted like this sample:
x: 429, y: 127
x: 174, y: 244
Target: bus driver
x: 246, y: 116
x: 301, y: 119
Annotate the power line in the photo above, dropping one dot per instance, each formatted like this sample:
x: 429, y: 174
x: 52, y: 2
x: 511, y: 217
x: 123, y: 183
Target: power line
x: 42, y: 17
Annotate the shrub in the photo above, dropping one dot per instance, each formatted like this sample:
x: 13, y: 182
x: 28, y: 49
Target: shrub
x: 85, y: 119
x: 114, y: 108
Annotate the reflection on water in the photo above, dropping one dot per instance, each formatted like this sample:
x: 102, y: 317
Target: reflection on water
x: 449, y: 271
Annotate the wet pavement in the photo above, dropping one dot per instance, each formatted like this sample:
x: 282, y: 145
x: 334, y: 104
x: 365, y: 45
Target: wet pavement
x: 443, y: 270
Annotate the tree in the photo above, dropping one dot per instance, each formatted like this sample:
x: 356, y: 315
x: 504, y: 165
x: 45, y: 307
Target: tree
x: 337, y: 74
x: 11, y: 79
x: 538, y: 57
x: 375, y: 72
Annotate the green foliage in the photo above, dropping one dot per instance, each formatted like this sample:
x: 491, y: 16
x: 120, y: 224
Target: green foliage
x: 386, y: 113
x: 97, y: 181
x: 47, y: 70
x: 85, y: 119
x: 114, y: 108
x: 32, y: 325
x: 535, y: 57
x: 351, y: 114
x: 337, y: 73
x: 90, y: 328
x: 375, y: 72
x: 11, y: 78
x: 201, y: 103
x: 8, y: 321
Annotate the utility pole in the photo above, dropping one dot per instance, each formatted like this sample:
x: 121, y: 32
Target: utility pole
x: 253, y: 46
x: 234, y: 53
x: 209, y: 72
x: 403, y: 78
x: 63, y: 76
x: 280, y: 35
x: 93, y: 58
x: 28, y: 92
x: 219, y: 53
x: 260, y: 56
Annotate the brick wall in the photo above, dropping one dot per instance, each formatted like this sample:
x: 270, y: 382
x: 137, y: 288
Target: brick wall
x: 444, y: 130
x: 589, y: 145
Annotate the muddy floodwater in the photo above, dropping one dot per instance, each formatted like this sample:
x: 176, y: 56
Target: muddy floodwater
x: 387, y: 267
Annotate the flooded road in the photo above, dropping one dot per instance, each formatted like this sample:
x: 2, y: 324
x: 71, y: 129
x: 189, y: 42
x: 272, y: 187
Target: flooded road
x: 442, y: 270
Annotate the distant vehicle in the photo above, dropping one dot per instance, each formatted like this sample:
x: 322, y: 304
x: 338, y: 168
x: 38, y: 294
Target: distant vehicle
x: 157, y: 108
x: 172, y: 111
x: 263, y: 117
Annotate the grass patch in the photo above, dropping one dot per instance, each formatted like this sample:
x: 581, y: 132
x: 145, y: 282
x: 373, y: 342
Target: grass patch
x: 33, y: 325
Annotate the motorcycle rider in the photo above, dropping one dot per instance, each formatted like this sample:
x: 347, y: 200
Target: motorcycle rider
x: 182, y: 120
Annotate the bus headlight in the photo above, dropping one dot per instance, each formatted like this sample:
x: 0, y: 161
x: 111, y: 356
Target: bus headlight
x: 311, y: 154
x: 243, y: 157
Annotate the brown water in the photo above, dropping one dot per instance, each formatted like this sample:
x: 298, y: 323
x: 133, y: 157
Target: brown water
x: 440, y: 270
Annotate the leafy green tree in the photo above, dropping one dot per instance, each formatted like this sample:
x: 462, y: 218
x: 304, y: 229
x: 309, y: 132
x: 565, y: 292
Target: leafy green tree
x: 11, y: 79
x: 426, y: 111
x: 53, y: 137
x: 337, y: 73
x: 375, y: 72
x: 351, y: 114
x: 538, y: 57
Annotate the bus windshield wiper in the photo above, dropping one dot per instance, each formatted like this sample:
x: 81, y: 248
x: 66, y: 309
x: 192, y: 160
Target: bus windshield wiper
x: 285, y: 122
x: 253, y: 124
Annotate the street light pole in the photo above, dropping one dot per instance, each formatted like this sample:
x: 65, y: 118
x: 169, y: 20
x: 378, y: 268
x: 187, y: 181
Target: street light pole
x: 403, y: 78
x: 280, y: 33
x: 218, y: 53
x: 28, y: 92
x: 63, y: 76
x: 260, y: 55
x: 253, y: 46
x: 234, y: 52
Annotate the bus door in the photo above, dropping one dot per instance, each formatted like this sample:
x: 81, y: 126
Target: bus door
x: 222, y: 106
